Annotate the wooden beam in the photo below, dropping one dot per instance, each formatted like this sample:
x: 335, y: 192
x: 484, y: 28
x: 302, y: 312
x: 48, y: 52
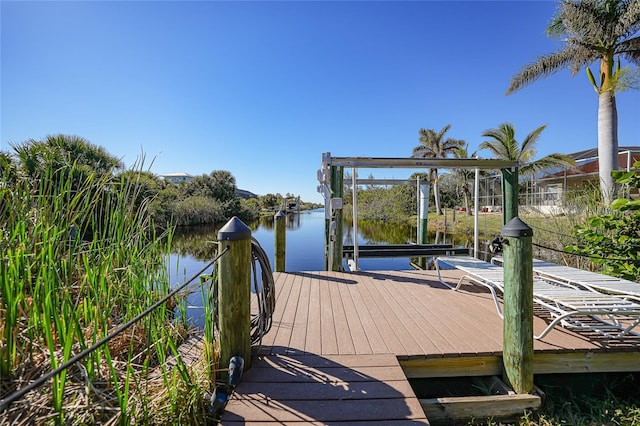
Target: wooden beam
x: 416, y: 163
x: 457, y: 409
x: 452, y: 367
x: 543, y: 363
x: 586, y: 362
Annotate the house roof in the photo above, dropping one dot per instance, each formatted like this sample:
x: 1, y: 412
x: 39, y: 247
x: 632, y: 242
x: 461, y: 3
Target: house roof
x: 177, y: 174
x: 587, y: 163
x: 593, y: 152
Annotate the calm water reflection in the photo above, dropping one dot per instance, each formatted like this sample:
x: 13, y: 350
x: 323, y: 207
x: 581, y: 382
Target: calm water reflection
x: 193, y: 247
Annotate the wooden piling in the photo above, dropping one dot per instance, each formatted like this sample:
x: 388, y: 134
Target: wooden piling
x: 335, y: 237
x: 509, y: 194
x: 280, y: 248
x: 234, y: 292
x: 518, y: 306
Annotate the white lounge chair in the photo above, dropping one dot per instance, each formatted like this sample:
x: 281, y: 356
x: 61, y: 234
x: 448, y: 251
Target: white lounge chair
x: 587, y: 279
x: 572, y: 307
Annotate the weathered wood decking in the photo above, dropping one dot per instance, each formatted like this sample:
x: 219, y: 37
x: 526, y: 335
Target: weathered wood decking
x: 332, y: 354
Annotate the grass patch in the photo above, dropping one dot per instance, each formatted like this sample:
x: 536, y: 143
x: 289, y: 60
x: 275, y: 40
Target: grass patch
x: 585, y: 400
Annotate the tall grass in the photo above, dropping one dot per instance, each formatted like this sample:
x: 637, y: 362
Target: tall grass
x: 78, y: 258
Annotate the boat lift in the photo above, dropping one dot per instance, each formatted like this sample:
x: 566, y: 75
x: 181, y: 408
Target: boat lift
x: 330, y: 177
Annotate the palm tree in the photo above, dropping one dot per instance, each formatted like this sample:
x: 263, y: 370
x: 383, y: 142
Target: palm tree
x: 464, y: 175
x: 433, y: 145
x: 503, y: 145
x: 36, y: 157
x: 593, y: 30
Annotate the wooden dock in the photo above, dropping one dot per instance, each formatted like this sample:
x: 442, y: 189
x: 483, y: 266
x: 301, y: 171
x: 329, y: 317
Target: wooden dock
x: 342, y: 346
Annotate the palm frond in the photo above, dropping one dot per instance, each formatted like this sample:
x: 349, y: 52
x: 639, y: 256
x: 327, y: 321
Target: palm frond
x: 630, y: 50
x: 502, y: 143
x: 545, y: 66
x: 530, y: 141
x: 592, y: 30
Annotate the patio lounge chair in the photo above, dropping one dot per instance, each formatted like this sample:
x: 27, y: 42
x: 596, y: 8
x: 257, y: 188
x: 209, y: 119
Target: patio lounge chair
x: 587, y: 279
x: 615, y: 316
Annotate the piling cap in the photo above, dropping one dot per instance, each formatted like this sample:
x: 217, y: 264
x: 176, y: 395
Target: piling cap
x: 234, y: 230
x: 280, y: 215
x: 516, y: 228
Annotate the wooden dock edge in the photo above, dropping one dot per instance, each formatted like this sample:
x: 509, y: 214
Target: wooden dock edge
x: 544, y: 363
x: 498, y: 407
x: 499, y: 403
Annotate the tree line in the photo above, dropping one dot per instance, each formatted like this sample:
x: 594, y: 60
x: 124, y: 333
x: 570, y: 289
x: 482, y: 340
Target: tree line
x: 74, y: 163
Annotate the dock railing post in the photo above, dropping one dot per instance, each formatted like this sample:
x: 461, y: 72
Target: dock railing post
x: 510, y: 188
x: 517, y: 355
x: 280, y: 249
x: 234, y: 292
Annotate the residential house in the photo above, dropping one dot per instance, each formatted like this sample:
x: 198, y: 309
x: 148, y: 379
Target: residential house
x: 177, y: 177
x: 547, y: 189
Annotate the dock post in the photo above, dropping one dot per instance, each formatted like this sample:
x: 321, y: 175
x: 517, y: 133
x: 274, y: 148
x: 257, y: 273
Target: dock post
x: 517, y: 355
x: 423, y: 213
x: 280, y: 249
x: 509, y: 194
x: 234, y: 292
x: 423, y: 217
x: 335, y: 234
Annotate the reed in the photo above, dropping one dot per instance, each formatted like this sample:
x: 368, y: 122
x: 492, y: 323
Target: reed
x: 78, y: 259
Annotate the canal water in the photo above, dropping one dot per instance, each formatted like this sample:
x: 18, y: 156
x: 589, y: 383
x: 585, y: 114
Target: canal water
x: 193, y: 248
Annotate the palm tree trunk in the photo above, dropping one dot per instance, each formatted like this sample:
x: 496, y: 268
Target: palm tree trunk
x: 607, y: 143
x: 467, y: 197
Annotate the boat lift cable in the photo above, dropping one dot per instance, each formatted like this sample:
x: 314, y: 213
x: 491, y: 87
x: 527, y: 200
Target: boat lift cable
x: 6, y: 402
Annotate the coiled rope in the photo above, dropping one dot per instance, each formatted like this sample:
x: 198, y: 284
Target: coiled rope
x: 265, y: 293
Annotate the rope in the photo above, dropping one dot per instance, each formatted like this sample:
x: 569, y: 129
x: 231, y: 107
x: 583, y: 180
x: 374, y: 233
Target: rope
x: 6, y: 402
x: 588, y: 256
x: 265, y: 293
x: 551, y: 232
x: 573, y: 236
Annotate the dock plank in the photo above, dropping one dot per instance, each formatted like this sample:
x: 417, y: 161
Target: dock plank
x: 308, y: 389
x: 332, y: 354
x: 369, y: 324
x: 393, y: 315
x: 283, y: 289
x: 470, y: 336
x: 329, y: 339
x: 313, y: 342
x: 342, y: 326
x: 359, y: 337
x: 287, y: 322
x: 376, y: 307
x: 301, y: 318
x: 346, y: 410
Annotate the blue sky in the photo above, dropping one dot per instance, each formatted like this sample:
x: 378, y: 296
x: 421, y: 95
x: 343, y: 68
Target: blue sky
x: 262, y: 89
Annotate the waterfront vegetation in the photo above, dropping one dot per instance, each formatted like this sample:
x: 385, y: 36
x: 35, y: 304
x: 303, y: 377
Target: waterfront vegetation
x: 584, y: 400
x: 81, y: 256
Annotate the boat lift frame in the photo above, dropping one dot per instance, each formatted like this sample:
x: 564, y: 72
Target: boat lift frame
x: 334, y: 167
